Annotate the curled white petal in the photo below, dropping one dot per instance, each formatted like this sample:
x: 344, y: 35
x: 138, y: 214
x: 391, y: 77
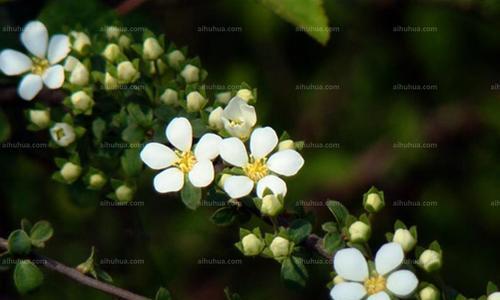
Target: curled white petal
x: 170, y: 180
x: 286, y: 162
x: 29, y: 86
x: 202, y: 173
x: 388, y: 258
x: 350, y: 264
x: 262, y: 142
x: 238, y: 186
x: 272, y: 182
x: 35, y: 38
x: 180, y: 133
x: 208, y: 146
x: 13, y: 62
x: 158, y: 156
x: 233, y: 151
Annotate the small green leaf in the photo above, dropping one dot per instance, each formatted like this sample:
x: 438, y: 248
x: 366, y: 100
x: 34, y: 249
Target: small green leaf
x: 27, y: 276
x: 191, y: 195
x: 293, y: 272
x: 491, y: 288
x: 131, y: 162
x: 19, y: 242
x: 332, y: 242
x: 41, y: 232
x: 98, y: 128
x: 133, y: 133
x: 26, y: 225
x: 163, y: 294
x: 103, y: 275
x: 338, y: 210
x: 224, y: 216
x: 299, y: 230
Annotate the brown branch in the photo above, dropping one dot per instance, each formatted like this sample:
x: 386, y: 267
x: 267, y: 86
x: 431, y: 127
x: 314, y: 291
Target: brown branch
x: 74, y: 274
x: 127, y: 6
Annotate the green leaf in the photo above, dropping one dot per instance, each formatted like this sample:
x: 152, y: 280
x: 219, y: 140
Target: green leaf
x: 133, y: 133
x: 98, y: 128
x: 332, y: 242
x: 103, y: 275
x: 329, y: 227
x: 307, y: 15
x: 5, y: 129
x: 27, y: 276
x: 491, y: 288
x: 163, y: 294
x: 26, y: 225
x: 299, y: 230
x: 131, y: 162
x: 191, y: 195
x: 224, y: 216
x: 41, y: 232
x: 19, y: 242
x: 338, y: 210
x: 293, y: 272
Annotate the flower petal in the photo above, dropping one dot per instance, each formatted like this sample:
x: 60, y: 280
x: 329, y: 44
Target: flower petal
x: 232, y: 110
x: 59, y: 47
x: 350, y: 264
x: 170, y: 180
x: 233, y: 151
x: 13, y: 62
x: 262, y: 142
x: 402, y: 283
x: 29, y: 86
x: 379, y: 296
x: 238, y: 186
x: 208, y: 146
x: 180, y: 133
x: 494, y: 296
x: 348, y: 291
x: 158, y: 156
x: 35, y: 37
x: 272, y: 182
x: 388, y: 258
x: 202, y: 173
x: 286, y: 162
x: 53, y: 77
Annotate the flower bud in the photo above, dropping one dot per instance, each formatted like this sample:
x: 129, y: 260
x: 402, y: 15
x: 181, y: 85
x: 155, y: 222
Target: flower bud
x: 223, y: 97
x: 169, y: 97
x: 175, y: 58
x: 111, y: 52
x: 429, y: 293
x: 151, y: 49
x: 405, y: 239
x: 430, y: 260
x: 97, y: 181
x: 373, y: 203
x: 81, y: 40
x: 245, y: 94
x: 280, y: 247
x: 82, y: 101
x: 252, y: 245
x: 271, y: 205
x: 63, y: 134
x: 110, y: 83
x: 70, y: 172
x: 338, y: 279
x: 124, y: 193
x: 195, y: 102
x: 222, y: 180
x: 124, y: 41
x: 126, y: 72
x: 214, y: 119
x: 494, y: 296
x: 112, y: 32
x: 286, y: 144
x: 79, y: 75
x: 39, y: 117
x: 190, y: 73
x: 70, y: 63
x: 359, y: 232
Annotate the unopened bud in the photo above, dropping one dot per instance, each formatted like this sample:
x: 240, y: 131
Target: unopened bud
x: 81, y: 41
x: 195, y: 102
x: 126, y: 72
x: 430, y: 260
x: 223, y: 97
x: 170, y: 97
x: 124, y: 41
x: 359, y: 232
x: 111, y: 52
x: 245, y: 94
x: 286, y: 144
x: 405, y: 239
x: 374, y: 203
x: 271, y: 205
x: 39, y: 117
x: 175, y: 58
x: 190, y: 73
x: 124, y: 193
x: 252, y: 245
x: 97, y: 181
x: 280, y: 247
x: 214, y: 119
x: 82, y: 101
x: 430, y: 293
x: 151, y: 49
x: 79, y: 75
x: 63, y: 134
x: 112, y: 32
x: 70, y: 172
x: 110, y: 83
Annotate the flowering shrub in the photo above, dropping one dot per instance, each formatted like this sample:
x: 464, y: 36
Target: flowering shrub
x: 133, y: 100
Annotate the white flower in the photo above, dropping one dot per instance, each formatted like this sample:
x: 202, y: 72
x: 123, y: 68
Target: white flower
x: 258, y: 169
x: 42, y: 67
x: 494, y: 296
x: 360, y: 284
x: 196, y: 165
x: 63, y: 134
x: 239, y: 118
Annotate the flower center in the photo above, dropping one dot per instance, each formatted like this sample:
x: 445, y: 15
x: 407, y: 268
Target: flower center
x: 256, y: 169
x: 375, y: 284
x: 185, y: 161
x: 235, y: 123
x: 59, y: 133
x: 39, y: 65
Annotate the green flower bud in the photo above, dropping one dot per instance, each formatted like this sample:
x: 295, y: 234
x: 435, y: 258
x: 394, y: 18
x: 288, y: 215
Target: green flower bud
x: 190, y: 73
x: 70, y: 172
x: 79, y: 75
x: 170, y: 97
x: 280, y: 247
x: 112, y: 32
x: 110, y: 83
x: 39, y: 117
x: 111, y: 52
x: 214, y: 119
x: 97, y: 181
x: 359, y: 232
x: 373, y: 203
x: 430, y: 260
x: 286, y: 144
x: 127, y: 72
x: 271, y: 205
x: 124, y: 193
x: 151, y: 49
x: 245, y: 94
x: 82, y: 101
x: 429, y: 293
x: 175, y: 58
x: 195, y: 102
x: 223, y: 97
x: 63, y: 134
x: 124, y: 41
x: 494, y: 296
x: 81, y: 40
x: 405, y: 239
x: 252, y: 245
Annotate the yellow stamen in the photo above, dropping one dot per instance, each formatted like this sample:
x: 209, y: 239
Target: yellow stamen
x: 234, y: 123
x: 375, y: 284
x: 186, y: 160
x: 256, y: 169
x: 39, y: 65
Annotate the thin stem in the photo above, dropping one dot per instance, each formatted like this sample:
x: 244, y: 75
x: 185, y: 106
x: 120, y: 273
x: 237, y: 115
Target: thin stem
x: 74, y: 274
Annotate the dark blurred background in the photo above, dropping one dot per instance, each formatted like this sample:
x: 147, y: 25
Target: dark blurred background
x: 405, y: 96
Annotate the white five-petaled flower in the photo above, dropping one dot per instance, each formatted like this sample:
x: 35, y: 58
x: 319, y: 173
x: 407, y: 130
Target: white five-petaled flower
x: 257, y: 167
x: 384, y: 281
x: 177, y: 163
x: 43, y: 66
x: 239, y: 118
